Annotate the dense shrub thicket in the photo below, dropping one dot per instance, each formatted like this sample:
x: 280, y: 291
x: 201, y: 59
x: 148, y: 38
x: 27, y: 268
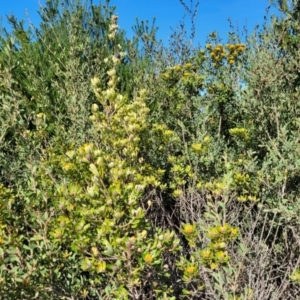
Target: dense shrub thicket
x: 130, y: 170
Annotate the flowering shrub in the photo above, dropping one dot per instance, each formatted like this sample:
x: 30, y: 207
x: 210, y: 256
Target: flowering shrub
x: 145, y: 172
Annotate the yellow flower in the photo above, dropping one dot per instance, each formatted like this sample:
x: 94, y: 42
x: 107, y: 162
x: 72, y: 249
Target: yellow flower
x: 101, y: 267
x: 188, y: 228
x: 161, y: 171
x: 253, y: 198
x: 213, y: 266
x: 88, y: 147
x: 240, y: 132
x: 190, y: 270
x: 168, y: 133
x: 40, y: 115
x: 199, y: 185
x: 148, y: 258
x: 177, y: 193
x: 213, y: 233
x: 177, y: 68
x: 92, y: 118
x: 67, y: 166
x: 95, y: 107
x: 242, y: 198
x: 95, y: 81
x: 223, y: 229
x: 222, y: 257
x: 206, y: 253
x: 197, y: 147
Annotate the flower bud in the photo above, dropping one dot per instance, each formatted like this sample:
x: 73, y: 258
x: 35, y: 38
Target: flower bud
x: 92, y: 118
x: 95, y: 251
x: 95, y: 81
x: 95, y: 107
x: 111, y: 72
x: 110, y: 94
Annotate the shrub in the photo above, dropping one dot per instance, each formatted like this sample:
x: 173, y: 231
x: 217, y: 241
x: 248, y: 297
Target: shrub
x: 176, y: 179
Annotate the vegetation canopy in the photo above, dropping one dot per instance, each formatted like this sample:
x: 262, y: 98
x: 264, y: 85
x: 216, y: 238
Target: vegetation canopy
x: 132, y: 170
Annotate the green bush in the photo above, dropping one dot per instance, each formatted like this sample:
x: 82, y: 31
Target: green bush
x: 157, y: 173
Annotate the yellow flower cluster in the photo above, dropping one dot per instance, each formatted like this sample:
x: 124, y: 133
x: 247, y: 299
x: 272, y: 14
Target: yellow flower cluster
x: 243, y: 188
x: 240, y: 132
x: 190, y: 268
x: 245, y: 198
x: 235, y: 50
x: 188, y: 229
x: 215, y: 254
x: 241, y: 179
x: 200, y: 148
x: 186, y: 73
x: 231, y: 53
x: 190, y: 232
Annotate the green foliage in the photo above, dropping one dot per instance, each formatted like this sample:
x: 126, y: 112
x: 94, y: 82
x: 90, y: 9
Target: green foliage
x: 46, y: 71
x: 134, y: 171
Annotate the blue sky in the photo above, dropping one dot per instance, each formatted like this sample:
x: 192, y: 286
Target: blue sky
x: 212, y: 14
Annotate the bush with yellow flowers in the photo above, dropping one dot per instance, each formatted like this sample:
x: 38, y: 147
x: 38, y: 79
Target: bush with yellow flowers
x: 99, y: 217
x: 130, y: 170
x: 215, y: 254
x: 220, y: 53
